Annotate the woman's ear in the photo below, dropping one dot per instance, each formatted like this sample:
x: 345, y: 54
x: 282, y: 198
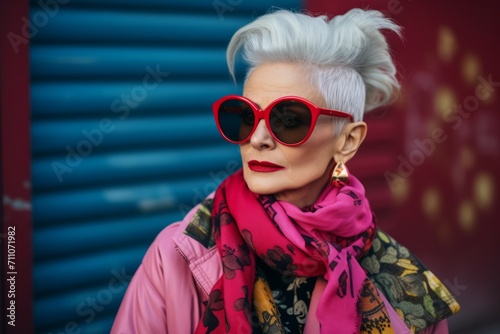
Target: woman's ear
x: 350, y: 140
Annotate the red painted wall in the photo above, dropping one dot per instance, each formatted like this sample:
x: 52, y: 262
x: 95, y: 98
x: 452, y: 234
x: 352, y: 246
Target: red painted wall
x: 441, y: 141
x: 15, y: 169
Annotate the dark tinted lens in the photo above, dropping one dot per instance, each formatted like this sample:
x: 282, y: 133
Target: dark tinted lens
x: 290, y: 121
x: 236, y: 119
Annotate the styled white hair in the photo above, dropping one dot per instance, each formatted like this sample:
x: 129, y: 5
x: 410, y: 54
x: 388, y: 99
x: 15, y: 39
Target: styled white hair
x: 347, y: 58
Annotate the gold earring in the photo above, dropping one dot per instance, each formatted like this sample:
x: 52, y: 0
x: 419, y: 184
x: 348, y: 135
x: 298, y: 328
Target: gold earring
x: 340, y: 175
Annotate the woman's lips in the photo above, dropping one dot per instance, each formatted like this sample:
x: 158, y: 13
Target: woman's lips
x: 264, y: 166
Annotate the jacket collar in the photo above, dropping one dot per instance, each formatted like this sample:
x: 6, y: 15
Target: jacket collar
x: 197, y: 247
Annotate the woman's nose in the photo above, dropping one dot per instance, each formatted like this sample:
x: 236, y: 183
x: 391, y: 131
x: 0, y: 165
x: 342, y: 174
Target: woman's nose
x: 261, y: 138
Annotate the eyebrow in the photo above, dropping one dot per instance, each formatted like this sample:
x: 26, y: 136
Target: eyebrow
x: 258, y: 105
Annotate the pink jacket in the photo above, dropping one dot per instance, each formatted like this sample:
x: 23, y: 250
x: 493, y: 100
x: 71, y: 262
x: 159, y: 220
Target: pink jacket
x: 167, y: 292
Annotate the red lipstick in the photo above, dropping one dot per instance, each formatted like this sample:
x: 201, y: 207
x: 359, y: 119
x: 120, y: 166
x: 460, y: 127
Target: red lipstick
x: 264, y: 166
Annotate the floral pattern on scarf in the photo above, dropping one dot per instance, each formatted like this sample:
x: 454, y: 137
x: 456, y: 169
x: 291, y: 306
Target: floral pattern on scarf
x: 292, y: 242
x: 417, y: 295
x: 290, y: 298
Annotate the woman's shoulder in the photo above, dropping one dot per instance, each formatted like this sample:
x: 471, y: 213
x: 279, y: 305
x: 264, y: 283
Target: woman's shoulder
x: 164, y: 278
x: 161, y: 255
x: 183, y: 243
x: 174, y: 236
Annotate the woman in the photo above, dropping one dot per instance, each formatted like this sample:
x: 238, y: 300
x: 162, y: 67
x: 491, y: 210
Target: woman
x: 289, y: 244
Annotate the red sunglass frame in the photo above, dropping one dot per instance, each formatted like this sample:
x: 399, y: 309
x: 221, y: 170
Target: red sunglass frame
x: 264, y: 114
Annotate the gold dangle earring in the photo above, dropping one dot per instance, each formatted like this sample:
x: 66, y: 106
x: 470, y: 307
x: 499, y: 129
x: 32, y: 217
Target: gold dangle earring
x: 340, y: 175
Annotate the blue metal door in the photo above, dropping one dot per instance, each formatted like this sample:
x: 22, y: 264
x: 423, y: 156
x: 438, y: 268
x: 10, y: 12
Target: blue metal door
x: 123, y: 141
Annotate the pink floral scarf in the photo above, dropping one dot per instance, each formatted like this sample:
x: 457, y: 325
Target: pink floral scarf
x: 326, y: 240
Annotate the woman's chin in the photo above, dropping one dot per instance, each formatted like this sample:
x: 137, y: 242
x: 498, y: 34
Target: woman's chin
x: 262, y: 189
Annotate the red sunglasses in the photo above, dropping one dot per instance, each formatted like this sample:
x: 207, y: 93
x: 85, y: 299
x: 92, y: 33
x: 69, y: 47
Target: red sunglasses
x: 290, y: 119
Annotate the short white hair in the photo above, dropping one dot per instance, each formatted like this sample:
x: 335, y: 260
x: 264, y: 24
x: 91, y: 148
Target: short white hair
x: 347, y: 57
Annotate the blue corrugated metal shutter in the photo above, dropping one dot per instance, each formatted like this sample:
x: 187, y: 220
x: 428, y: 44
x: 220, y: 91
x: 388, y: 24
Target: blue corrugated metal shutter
x: 123, y: 139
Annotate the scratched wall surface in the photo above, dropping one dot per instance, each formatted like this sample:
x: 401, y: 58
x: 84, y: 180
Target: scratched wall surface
x: 431, y: 160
